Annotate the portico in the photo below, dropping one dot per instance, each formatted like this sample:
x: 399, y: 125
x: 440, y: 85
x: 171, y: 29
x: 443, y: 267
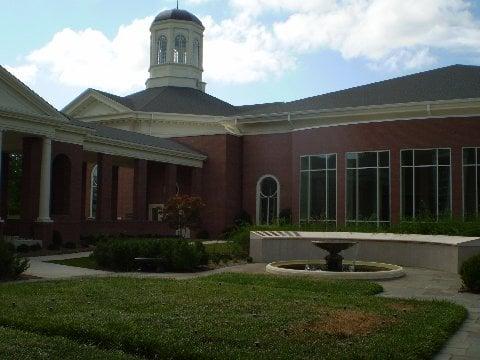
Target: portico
x: 46, y: 187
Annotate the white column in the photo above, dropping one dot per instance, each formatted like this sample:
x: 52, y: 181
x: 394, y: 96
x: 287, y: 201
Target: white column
x: 45, y: 176
x: 1, y: 158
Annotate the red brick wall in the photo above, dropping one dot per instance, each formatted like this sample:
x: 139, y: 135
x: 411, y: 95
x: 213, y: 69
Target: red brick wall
x: 262, y: 155
x: 394, y: 136
x: 221, y: 182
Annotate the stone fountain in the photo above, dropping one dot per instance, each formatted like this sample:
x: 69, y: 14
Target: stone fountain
x: 334, y: 261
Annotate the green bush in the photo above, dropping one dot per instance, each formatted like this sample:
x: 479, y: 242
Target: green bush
x: 470, y: 273
x: 178, y: 254
x: 11, y: 265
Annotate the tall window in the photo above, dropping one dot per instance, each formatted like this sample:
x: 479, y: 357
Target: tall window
x: 368, y: 187
x: 196, y: 53
x: 268, y: 204
x: 471, y: 182
x: 180, y: 51
x: 162, y: 50
x: 318, y: 187
x: 93, y: 192
x: 426, y: 188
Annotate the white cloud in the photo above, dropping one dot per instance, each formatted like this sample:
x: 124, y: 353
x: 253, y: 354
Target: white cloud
x: 87, y: 58
x: 26, y: 73
x: 387, y: 34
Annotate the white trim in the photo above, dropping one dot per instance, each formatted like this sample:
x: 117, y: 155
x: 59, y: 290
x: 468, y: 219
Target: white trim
x: 94, y: 168
x: 258, y: 195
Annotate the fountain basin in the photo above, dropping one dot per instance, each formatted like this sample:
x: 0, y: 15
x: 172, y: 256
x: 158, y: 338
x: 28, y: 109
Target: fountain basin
x: 376, y: 271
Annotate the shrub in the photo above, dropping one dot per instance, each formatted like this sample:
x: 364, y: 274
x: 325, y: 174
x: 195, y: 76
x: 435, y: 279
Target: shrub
x: 179, y: 254
x: 470, y: 273
x: 23, y: 248
x: 36, y: 247
x: 182, y: 212
x: 11, y: 265
x: 242, y: 219
x: 203, y: 235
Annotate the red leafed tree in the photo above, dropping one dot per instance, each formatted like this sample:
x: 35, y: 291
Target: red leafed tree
x: 182, y: 212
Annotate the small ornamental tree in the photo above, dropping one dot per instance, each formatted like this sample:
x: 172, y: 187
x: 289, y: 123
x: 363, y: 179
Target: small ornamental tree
x: 182, y: 212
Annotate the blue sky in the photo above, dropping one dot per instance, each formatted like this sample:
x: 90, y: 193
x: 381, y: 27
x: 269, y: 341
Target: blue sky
x: 258, y: 51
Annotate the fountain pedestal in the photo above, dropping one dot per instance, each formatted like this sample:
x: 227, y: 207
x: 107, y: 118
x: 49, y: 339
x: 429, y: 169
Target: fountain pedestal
x: 334, y: 260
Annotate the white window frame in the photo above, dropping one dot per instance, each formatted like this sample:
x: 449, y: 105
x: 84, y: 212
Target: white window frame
x: 178, y: 49
x: 476, y: 165
x: 259, y: 182
x: 377, y: 222
x: 413, y: 174
x: 94, y: 169
x: 309, y: 187
x: 160, y: 53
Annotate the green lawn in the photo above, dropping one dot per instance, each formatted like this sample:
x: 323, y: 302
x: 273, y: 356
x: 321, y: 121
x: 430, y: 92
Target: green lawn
x: 85, y: 262
x: 228, y: 316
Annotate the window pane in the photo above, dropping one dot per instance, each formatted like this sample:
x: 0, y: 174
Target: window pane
x: 407, y: 193
x: 304, y: 195
x: 332, y: 161
x: 443, y: 156
x: 444, y: 191
x: 318, y: 162
x: 264, y: 210
x: 384, y: 194
x: 468, y: 156
x: 318, y: 185
x: 351, y: 160
x: 469, y: 191
x: 304, y: 163
x: 384, y: 159
x: 367, y: 159
x: 407, y: 157
x: 426, y: 191
x: 367, y: 194
x: 478, y: 190
x: 268, y: 187
x: 332, y: 195
x: 351, y: 195
x: 425, y: 157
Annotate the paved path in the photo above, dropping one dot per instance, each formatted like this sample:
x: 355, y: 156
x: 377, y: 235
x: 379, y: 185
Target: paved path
x: 418, y: 283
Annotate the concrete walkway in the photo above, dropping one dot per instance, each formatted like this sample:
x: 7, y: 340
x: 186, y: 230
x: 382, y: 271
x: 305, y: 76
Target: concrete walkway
x: 418, y: 283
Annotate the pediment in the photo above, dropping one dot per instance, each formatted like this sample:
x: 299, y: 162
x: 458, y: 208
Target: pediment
x: 15, y: 96
x: 92, y: 104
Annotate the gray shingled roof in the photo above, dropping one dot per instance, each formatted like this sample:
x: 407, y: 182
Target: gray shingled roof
x: 134, y: 137
x: 448, y: 83
x: 177, y: 14
x: 451, y: 82
x: 170, y: 99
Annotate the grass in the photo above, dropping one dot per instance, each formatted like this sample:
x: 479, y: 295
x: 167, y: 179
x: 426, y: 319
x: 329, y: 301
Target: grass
x: 84, y: 262
x: 228, y: 316
x: 20, y: 345
x: 221, y: 250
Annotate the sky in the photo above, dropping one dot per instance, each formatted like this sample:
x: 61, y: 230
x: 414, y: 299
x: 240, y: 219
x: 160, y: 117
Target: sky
x: 255, y: 51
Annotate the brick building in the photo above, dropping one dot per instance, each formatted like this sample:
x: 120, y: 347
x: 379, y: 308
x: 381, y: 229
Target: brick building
x: 399, y: 148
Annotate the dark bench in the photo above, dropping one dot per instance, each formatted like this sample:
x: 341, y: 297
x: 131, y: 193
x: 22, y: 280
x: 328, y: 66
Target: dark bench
x: 150, y: 264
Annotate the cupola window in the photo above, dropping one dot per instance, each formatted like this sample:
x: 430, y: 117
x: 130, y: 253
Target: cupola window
x: 162, y: 50
x: 180, y: 51
x: 196, y: 53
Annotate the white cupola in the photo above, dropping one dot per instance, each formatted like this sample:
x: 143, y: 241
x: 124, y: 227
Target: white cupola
x: 176, y: 50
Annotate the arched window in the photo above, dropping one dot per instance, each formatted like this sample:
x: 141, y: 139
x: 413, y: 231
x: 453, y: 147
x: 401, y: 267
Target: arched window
x: 93, y: 192
x: 196, y: 53
x: 180, y: 51
x: 162, y: 50
x: 268, y: 204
